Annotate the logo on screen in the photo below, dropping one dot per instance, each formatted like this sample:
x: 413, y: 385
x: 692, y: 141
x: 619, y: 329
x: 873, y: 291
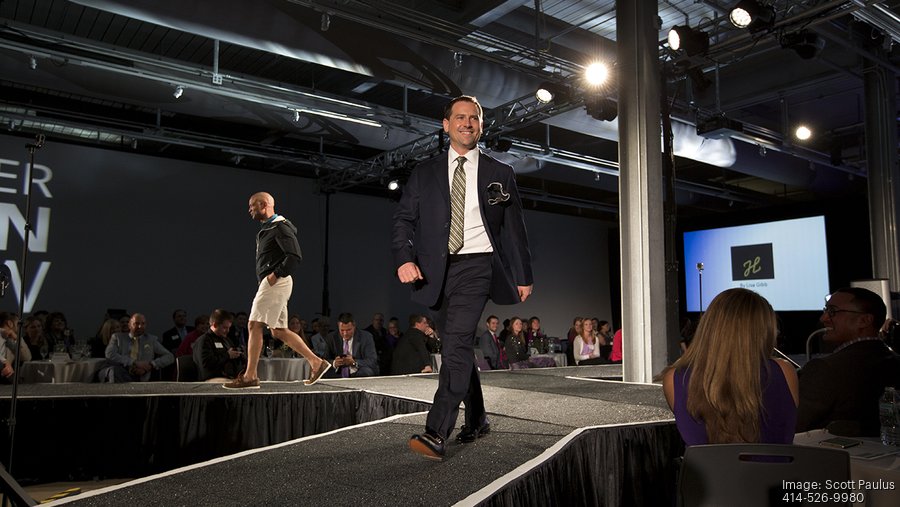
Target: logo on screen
x: 752, y: 262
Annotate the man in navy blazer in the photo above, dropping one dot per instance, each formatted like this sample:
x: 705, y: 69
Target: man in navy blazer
x: 459, y: 239
x: 352, y: 350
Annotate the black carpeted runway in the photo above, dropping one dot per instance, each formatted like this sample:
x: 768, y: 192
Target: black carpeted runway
x: 559, y: 436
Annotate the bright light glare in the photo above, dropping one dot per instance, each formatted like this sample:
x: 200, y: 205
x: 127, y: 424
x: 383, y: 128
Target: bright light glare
x: 596, y: 73
x: 803, y: 133
x: 543, y: 95
x: 674, y: 40
x: 740, y: 17
x: 393, y: 185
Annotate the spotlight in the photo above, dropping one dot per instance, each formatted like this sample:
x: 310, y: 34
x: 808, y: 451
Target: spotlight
x: 803, y: 133
x: 179, y: 91
x: 457, y: 59
x: 134, y: 144
x: 602, y: 108
x: 693, y: 42
x: 393, y: 185
x: 296, y: 116
x: 596, y: 73
x: 752, y: 15
x: 32, y: 62
x: 805, y: 43
x: 549, y: 91
x: 326, y: 22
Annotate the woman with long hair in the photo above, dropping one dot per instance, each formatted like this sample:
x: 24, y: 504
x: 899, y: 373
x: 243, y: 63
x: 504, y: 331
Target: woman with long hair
x: 588, y: 349
x: 98, y: 343
x: 727, y: 388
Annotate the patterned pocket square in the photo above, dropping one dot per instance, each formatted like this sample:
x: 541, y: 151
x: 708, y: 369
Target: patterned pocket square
x: 496, y: 195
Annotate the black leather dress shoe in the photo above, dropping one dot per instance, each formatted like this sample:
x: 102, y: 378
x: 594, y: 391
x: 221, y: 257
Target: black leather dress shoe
x: 428, y: 445
x: 468, y: 434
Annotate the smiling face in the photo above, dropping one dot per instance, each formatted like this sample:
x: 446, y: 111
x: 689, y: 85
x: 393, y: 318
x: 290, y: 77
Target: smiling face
x: 463, y: 126
x: 843, y: 319
x: 516, y: 326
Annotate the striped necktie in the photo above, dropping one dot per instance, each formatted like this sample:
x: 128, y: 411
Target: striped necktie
x: 457, y: 206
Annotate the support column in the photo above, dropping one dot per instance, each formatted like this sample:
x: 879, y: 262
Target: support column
x: 640, y: 191
x: 883, y: 173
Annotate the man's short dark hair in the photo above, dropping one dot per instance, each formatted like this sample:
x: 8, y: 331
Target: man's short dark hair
x: 219, y: 316
x: 868, y: 302
x: 346, y: 318
x: 176, y: 313
x: 448, y: 109
x: 415, y: 319
x: 492, y: 317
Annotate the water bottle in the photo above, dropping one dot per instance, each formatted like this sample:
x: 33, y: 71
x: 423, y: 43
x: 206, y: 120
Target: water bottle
x: 889, y: 409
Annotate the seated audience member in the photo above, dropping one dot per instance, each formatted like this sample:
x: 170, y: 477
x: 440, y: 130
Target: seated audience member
x: 727, y: 388
x: 535, y: 337
x: 604, y: 334
x: 98, y: 343
x: 575, y: 330
x: 410, y: 354
x: 434, y: 341
x: 840, y: 391
x: 352, y: 350
x: 172, y: 338
x: 214, y: 353
x: 687, y: 334
x: 239, y: 331
x: 383, y: 347
x: 295, y: 324
x: 58, y: 334
x: 587, y: 346
x: 517, y: 349
x: 12, y: 345
x: 201, y: 325
x: 393, y: 331
x: 132, y: 356
x: 615, y: 355
x: 321, y: 327
x: 491, y: 345
x: 34, y: 338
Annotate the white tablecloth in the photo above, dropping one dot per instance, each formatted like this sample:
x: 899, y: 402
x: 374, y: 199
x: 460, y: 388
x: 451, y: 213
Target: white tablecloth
x: 283, y: 369
x: 59, y: 371
x: 869, y: 462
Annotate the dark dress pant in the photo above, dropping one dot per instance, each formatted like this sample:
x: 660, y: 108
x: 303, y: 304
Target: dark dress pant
x: 456, y: 316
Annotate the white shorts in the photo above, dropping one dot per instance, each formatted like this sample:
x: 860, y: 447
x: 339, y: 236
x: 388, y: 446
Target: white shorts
x: 270, y: 305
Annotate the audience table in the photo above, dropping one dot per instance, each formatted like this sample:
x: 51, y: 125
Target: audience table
x: 56, y: 372
x: 869, y: 461
x: 559, y: 358
x: 283, y: 368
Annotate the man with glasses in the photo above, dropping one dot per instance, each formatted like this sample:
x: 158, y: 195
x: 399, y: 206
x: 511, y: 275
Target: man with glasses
x: 840, y: 392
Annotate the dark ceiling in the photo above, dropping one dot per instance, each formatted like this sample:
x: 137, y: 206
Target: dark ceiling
x: 349, y: 92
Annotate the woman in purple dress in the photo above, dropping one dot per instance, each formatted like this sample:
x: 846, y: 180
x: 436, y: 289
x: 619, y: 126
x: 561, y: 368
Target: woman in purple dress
x: 727, y: 388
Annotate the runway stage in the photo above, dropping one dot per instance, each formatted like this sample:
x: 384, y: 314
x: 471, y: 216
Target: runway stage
x: 559, y: 436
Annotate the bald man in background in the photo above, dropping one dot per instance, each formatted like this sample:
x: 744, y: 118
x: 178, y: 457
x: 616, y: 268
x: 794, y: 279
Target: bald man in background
x: 277, y: 255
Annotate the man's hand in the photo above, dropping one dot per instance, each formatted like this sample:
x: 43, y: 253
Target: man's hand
x: 7, y: 370
x: 272, y: 278
x: 409, y: 273
x: 234, y: 353
x: 525, y: 291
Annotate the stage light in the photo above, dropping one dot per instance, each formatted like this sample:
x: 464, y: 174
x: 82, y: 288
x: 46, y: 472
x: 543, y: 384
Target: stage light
x: 693, y: 42
x: 544, y: 93
x: 805, y: 43
x: 596, y: 73
x: 803, y: 133
x: 326, y: 22
x: 601, y: 108
x: 752, y: 15
x: 549, y: 91
x: 296, y: 116
x: 179, y: 91
x: 32, y: 62
x: 393, y: 185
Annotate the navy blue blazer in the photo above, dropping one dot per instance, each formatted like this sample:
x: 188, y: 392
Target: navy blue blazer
x: 422, y: 228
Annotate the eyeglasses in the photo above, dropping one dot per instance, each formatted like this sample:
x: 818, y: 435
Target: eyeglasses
x: 831, y: 311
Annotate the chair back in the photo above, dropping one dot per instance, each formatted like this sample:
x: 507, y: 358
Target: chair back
x: 755, y: 475
x: 186, y: 369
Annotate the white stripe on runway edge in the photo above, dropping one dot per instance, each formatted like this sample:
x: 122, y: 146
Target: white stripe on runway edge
x: 486, y: 492
x: 223, y: 459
